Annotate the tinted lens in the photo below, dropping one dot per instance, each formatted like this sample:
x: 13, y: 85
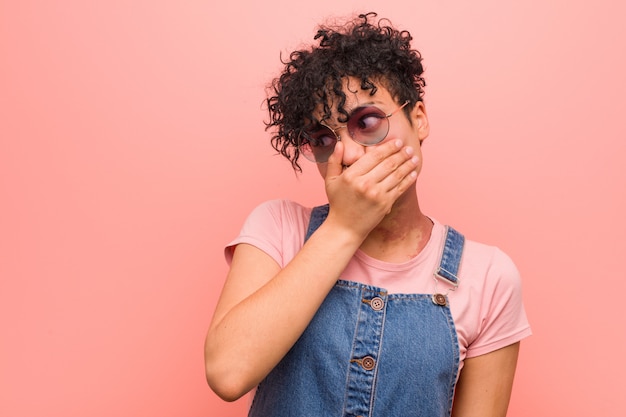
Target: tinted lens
x: 317, y: 146
x: 368, y: 125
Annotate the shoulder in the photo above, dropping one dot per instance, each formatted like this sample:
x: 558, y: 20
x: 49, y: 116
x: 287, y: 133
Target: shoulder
x: 488, y: 262
x: 277, y: 227
x: 479, y: 261
x: 488, y: 301
x: 279, y: 212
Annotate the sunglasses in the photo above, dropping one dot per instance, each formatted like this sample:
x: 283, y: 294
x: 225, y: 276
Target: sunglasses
x: 367, y: 126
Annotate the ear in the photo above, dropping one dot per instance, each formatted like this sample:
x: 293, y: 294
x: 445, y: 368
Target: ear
x: 420, y: 120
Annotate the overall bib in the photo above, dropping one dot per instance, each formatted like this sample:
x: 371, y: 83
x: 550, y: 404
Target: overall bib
x: 369, y: 353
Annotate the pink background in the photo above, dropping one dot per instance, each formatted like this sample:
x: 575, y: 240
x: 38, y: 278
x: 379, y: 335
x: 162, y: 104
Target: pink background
x: 132, y: 148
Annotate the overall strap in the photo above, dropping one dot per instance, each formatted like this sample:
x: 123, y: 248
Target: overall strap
x: 451, y: 256
x: 318, y: 215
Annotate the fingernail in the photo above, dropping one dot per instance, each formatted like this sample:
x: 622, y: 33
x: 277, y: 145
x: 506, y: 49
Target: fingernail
x: 409, y: 150
x: 415, y: 160
x: 398, y: 143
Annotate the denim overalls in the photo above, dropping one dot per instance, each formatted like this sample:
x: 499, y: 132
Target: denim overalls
x: 367, y: 353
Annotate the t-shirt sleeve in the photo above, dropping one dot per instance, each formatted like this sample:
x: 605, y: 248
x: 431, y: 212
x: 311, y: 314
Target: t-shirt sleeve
x: 503, y: 318
x: 275, y: 227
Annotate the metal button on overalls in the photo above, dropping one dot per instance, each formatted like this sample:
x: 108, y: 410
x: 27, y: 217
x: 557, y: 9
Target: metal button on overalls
x: 368, y: 363
x: 377, y: 303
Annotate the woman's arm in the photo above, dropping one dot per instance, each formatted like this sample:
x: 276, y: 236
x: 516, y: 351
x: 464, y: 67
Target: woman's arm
x: 264, y: 309
x: 485, y: 383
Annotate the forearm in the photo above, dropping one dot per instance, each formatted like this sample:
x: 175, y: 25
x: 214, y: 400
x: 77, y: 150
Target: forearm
x: 250, y: 336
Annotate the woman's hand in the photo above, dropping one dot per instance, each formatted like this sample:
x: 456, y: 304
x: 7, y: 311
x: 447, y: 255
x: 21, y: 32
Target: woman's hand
x: 362, y: 194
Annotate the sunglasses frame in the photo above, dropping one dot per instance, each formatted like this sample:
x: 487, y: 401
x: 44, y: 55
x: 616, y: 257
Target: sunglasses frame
x: 310, y: 155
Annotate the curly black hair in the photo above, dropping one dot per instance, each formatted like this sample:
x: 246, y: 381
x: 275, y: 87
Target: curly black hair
x: 369, y: 50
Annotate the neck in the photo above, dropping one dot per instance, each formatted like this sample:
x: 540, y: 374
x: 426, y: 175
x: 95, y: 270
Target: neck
x: 401, y: 235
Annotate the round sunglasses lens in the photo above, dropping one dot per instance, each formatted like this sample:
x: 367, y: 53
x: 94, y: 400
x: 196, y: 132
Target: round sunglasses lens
x: 317, y: 146
x: 368, y: 125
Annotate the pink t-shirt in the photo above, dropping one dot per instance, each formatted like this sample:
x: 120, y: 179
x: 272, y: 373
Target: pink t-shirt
x: 486, y: 307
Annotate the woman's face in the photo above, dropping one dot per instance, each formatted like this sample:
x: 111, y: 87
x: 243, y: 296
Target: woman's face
x: 412, y: 130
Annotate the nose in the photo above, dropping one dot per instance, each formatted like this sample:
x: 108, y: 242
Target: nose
x: 352, y: 150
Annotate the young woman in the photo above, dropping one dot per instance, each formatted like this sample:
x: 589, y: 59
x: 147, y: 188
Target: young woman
x: 364, y: 306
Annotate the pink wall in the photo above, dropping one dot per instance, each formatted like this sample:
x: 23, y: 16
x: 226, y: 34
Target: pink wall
x: 132, y: 147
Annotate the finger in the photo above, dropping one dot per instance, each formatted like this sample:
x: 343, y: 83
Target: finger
x: 405, y: 183
x: 335, y: 161
x: 402, y: 177
x: 389, y: 166
x: 374, y: 155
